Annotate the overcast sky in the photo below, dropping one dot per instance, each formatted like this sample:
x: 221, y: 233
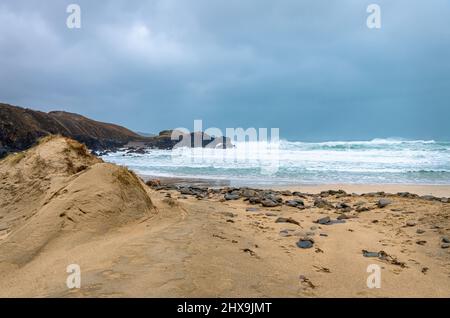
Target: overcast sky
x: 311, y: 68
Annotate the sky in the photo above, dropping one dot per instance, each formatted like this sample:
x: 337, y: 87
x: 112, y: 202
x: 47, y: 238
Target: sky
x: 311, y: 68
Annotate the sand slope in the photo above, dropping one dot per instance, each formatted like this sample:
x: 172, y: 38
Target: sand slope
x: 58, y: 188
x: 61, y: 206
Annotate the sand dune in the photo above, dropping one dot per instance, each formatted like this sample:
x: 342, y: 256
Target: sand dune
x: 60, y: 205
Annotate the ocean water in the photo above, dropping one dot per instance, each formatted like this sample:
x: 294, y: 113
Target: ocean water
x: 391, y: 161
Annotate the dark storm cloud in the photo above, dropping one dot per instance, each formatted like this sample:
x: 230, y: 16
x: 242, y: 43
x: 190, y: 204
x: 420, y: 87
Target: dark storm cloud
x: 312, y: 68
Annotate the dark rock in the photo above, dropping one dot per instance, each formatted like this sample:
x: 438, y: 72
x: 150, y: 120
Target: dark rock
x: 295, y: 203
x: 231, y: 196
x: 445, y: 239
x: 254, y: 200
x: 370, y: 254
x: 343, y: 205
x: 420, y: 231
x: 305, y: 243
x: 249, y: 193
x: 324, y: 220
x: 186, y: 191
x: 383, y: 203
x: 286, y: 220
x: 429, y: 197
x: 421, y: 242
x: 362, y: 209
x: 343, y: 216
x: 445, y: 245
x: 410, y: 223
x: 269, y: 203
x: 445, y: 200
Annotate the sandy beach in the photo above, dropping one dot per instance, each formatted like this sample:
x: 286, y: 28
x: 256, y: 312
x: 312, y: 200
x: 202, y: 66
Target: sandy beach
x: 64, y: 206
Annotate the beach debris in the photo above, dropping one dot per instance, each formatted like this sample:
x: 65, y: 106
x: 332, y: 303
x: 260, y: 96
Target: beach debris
x: 229, y: 214
x: 322, y: 269
x: 370, y: 254
x: 383, y: 256
x: 286, y: 220
x: 306, y: 282
x: 383, y: 203
x: 249, y: 251
x: 305, y: 243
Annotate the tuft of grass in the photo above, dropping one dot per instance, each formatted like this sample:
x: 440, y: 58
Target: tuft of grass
x: 125, y: 176
x: 15, y: 158
x: 45, y: 139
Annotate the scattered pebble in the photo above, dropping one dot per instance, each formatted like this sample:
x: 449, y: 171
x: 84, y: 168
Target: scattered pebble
x: 305, y: 243
x: 383, y: 203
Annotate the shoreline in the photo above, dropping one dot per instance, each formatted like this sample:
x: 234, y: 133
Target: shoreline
x: 419, y: 189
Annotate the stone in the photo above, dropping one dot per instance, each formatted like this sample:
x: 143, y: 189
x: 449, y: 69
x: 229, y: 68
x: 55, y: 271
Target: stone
x: 383, y: 203
x: 420, y: 231
x: 231, y: 196
x: 269, y: 203
x: 305, y: 243
x: 421, y: 242
x: 362, y: 209
x: 370, y: 254
x: 294, y: 203
x: 321, y: 203
x: 324, y: 220
x: 254, y: 200
x: 445, y: 239
x: 445, y: 245
x: 252, y: 209
x: 410, y: 223
x: 286, y: 220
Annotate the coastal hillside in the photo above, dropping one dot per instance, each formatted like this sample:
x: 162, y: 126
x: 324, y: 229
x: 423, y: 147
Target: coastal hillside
x: 20, y: 128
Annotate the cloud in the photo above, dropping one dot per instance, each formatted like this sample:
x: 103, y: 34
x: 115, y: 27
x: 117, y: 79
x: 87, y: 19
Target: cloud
x: 311, y: 68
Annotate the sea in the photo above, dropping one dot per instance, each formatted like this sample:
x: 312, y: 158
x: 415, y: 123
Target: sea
x: 378, y: 161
